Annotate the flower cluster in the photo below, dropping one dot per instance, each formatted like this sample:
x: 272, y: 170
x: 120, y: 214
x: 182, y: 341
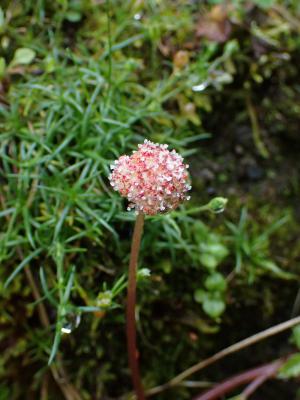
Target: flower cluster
x: 153, y: 178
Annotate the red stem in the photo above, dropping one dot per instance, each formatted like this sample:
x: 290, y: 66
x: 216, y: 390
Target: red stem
x: 254, y: 385
x: 230, y: 384
x: 130, y: 312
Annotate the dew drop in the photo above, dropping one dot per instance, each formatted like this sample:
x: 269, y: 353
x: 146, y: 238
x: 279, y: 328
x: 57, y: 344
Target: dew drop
x: 72, y: 321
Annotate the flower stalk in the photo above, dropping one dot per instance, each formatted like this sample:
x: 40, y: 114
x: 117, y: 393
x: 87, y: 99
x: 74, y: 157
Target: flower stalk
x: 155, y: 180
x: 130, y: 311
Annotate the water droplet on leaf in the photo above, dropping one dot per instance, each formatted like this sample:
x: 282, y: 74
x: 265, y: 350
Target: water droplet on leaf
x: 72, y: 321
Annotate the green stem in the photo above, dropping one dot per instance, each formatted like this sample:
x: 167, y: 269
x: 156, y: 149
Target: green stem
x: 109, y: 43
x: 263, y: 151
x: 130, y: 312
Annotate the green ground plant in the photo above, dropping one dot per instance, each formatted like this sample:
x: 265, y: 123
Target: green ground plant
x: 82, y: 82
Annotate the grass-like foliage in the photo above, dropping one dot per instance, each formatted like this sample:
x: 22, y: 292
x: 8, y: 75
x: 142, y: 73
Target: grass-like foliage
x: 82, y: 82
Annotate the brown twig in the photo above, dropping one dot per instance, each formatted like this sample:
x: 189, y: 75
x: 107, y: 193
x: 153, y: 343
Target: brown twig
x: 130, y: 311
x: 256, y: 376
x: 58, y: 372
x: 292, y: 20
x: 44, y: 395
x: 224, y: 353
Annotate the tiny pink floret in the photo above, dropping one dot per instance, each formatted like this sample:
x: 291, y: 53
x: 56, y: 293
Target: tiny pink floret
x: 153, y: 179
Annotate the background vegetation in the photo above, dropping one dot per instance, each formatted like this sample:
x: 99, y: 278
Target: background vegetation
x: 83, y: 81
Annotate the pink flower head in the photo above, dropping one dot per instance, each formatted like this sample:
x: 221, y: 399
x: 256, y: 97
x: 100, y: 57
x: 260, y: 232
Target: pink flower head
x: 153, y: 178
